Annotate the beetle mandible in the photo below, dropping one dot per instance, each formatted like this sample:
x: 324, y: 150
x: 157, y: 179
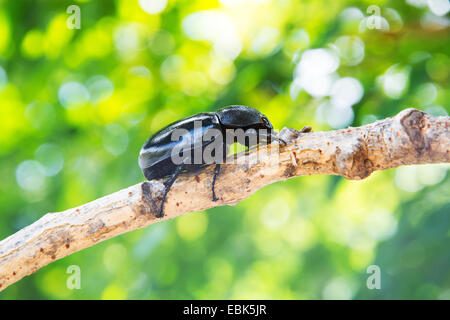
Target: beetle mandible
x: 155, y: 158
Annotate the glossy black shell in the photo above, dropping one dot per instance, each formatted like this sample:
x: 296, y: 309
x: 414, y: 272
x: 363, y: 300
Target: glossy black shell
x: 242, y: 117
x: 155, y: 156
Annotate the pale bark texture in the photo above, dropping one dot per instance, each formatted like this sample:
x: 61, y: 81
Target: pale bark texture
x: 411, y: 137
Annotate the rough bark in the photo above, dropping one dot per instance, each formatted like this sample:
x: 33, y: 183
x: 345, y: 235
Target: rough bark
x: 411, y: 137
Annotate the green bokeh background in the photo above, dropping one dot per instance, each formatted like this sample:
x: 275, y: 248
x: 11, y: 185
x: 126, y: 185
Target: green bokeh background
x: 76, y: 105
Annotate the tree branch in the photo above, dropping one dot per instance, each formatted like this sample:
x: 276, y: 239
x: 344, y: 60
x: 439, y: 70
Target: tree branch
x: 411, y: 137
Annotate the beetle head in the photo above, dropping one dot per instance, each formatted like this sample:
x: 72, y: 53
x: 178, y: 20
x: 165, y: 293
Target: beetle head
x: 265, y: 123
x: 243, y: 117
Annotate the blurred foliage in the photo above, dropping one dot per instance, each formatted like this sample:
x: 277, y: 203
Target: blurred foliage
x: 76, y: 105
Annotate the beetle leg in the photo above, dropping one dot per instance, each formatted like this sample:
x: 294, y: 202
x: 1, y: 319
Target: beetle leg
x: 167, y: 185
x: 216, y: 173
x: 271, y: 136
x: 274, y: 137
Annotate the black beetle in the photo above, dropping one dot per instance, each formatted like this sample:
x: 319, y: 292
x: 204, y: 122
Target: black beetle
x: 155, y: 158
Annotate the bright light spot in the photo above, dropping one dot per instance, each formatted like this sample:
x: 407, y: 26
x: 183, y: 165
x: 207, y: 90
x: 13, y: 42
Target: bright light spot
x: 431, y: 174
x: 73, y: 95
x: 115, y: 139
x: 351, y: 14
x: 340, y: 118
x: 430, y: 21
x: 192, y: 226
x: 351, y: 50
x: 336, y: 117
x: 415, y: 178
x: 51, y: 157
x: 3, y: 77
x: 40, y: 114
x: 153, y: 6
x: 30, y: 175
x: 406, y: 178
x: 345, y: 92
x: 275, y: 213
x: 439, y: 7
x: 100, y: 88
x: 217, y: 27
x: 126, y: 40
x: 338, y: 289
x: 314, y: 72
x: 266, y: 41
x: 381, y: 224
x: 317, y: 86
x: 426, y: 93
x: 317, y: 62
x: 395, y: 81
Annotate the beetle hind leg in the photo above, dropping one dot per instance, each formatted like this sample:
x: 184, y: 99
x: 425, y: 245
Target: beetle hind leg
x: 216, y: 173
x: 167, y: 185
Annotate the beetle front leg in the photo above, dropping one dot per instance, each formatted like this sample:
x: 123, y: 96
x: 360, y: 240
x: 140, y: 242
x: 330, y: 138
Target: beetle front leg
x: 272, y: 136
x: 216, y: 173
x: 167, y: 185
